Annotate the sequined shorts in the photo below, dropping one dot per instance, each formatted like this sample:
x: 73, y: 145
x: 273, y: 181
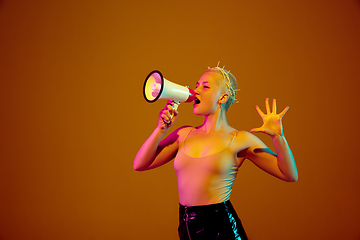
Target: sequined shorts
x: 210, y: 222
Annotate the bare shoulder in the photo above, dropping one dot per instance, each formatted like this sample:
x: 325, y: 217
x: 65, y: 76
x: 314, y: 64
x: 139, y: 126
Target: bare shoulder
x: 175, y: 137
x: 245, y: 139
x: 242, y: 135
x: 181, y: 132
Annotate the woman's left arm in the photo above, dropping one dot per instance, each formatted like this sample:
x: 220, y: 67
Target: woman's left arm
x: 272, y: 126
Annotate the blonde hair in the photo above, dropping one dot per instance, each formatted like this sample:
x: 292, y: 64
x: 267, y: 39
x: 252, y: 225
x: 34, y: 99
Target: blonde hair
x: 228, y: 84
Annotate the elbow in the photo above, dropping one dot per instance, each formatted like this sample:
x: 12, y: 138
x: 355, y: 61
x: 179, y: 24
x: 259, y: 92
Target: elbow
x: 292, y: 179
x: 138, y: 168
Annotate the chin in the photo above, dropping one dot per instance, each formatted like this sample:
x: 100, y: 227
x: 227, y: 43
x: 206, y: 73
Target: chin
x: 196, y: 111
x: 200, y: 112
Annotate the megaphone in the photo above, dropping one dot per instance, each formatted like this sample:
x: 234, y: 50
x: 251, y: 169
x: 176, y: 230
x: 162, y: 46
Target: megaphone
x: 157, y: 87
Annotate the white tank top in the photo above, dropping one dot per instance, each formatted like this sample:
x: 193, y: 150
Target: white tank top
x: 205, y: 180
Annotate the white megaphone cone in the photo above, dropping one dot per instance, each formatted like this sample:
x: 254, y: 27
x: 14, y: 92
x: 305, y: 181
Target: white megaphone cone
x: 157, y: 87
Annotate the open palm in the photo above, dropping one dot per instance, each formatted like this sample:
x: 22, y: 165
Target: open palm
x: 271, y: 120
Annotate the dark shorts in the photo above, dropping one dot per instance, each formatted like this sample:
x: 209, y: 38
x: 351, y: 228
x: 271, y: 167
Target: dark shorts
x: 210, y: 222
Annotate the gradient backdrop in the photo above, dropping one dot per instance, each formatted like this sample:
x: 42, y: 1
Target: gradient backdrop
x: 73, y: 115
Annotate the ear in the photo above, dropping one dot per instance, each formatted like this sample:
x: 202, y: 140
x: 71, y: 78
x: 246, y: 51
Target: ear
x: 223, y: 98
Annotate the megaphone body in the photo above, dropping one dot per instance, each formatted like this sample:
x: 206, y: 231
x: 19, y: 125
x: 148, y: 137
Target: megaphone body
x: 157, y: 87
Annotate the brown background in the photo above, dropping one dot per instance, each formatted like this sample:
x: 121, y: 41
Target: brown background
x: 73, y: 115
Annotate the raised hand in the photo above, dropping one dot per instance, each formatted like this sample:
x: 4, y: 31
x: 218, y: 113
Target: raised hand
x: 271, y: 120
x: 168, y: 115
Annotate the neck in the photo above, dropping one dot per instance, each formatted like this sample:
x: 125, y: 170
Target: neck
x: 215, y: 121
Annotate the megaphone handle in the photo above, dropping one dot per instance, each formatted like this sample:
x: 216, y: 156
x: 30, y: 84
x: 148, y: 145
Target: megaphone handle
x: 175, y: 107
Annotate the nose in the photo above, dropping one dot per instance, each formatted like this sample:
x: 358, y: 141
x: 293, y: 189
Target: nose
x: 196, y: 90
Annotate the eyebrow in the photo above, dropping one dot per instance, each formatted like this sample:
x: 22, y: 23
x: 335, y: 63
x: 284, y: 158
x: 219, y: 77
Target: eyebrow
x: 202, y: 82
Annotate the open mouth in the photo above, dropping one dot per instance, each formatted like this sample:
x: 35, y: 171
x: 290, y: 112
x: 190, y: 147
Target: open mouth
x: 196, y: 101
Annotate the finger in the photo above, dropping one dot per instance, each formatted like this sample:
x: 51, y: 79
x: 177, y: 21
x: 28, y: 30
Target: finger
x: 170, y: 109
x: 169, y: 104
x: 274, y: 106
x: 167, y: 113
x: 259, y: 111
x: 165, y: 118
x: 267, y: 105
x: 176, y: 113
x: 283, y: 112
x: 171, y: 114
x: 173, y: 110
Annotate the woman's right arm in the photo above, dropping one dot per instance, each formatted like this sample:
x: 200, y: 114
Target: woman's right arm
x: 155, y: 151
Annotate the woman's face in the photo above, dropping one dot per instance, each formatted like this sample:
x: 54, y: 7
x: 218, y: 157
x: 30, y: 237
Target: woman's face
x: 208, y: 93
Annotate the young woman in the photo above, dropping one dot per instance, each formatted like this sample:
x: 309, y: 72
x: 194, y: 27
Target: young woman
x: 207, y: 157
